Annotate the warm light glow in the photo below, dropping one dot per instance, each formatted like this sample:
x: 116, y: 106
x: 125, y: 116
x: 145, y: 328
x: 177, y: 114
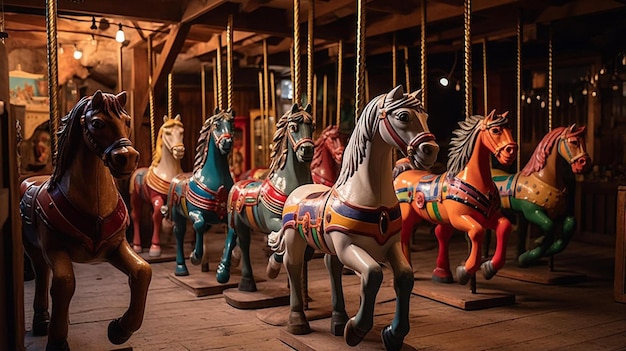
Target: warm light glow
x: 444, y: 81
x: 584, y: 91
x: 594, y: 93
x: 570, y: 99
x: 77, y: 53
x: 528, y: 100
x: 558, y: 102
x: 457, y: 87
x: 543, y: 104
x: 119, y: 36
x: 61, y: 50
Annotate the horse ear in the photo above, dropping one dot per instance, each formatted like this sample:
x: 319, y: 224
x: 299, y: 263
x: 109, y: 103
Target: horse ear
x: 121, y: 98
x: 177, y: 117
x: 505, y: 114
x: 491, y: 114
x: 396, y: 94
x: 308, y: 108
x: 96, y: 99
x: 165, y: 118
x: 417, y: 94
x: 295, y: 108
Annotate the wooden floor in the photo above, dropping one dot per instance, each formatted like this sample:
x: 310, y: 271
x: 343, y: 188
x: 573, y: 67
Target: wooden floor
x: 583, y: 316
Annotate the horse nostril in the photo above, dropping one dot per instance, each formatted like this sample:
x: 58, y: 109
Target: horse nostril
x: 120, y: 159
x: 510, y: 149
x: 582, y: 161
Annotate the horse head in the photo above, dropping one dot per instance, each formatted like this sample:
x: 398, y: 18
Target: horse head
x: 172, y: 133
x: 222, y: 129
x: 334, y: 142
x: 297, y: 125
x: 572, y: 148
x: 496, y: 135
x: 106, y: 127
x: 404, y: 126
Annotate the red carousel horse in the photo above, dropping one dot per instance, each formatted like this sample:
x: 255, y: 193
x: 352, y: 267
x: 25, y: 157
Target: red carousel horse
x: 464, y: 198
x: 328, y: 155
x: 77, y: 215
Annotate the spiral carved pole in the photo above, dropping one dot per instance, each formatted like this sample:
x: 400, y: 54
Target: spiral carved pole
x: 360, y: 59
x: 309, y: 73
x: 394, y: 61
x: 229, y: 62
x: 151, y: 97
x: 339, y: 80
x: 550, y: 79
x: 53, y: 74
x: 170, y: 96
x: 265, y: 117
x: 467, y: 41
x: 423, y: 62
x: 220, y: 97
x: 297, y: 97
x: 518, y: 68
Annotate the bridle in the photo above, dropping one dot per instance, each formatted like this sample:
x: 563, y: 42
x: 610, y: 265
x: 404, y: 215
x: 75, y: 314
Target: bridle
x: 408, y: 150
x: 566, y: 152
x: 296, y: 144
x: 219, y: 137
x: 497, y: 147
x: 103, y: 153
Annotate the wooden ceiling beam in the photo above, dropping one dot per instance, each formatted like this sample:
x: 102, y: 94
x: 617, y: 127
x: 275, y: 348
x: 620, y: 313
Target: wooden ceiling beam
x: 197, y: 8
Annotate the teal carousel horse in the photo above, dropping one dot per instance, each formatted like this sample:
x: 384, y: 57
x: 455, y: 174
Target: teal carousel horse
x: 258, y: 205
x: 201, y: 196
x: 539, y: 193
x: 357, y: 222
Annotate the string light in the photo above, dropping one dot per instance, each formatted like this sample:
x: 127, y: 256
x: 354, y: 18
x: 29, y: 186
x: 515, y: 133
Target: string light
x: 119, y: 36
x: 570, y: 99
x: 457, y: 87
x: 444, y: 81
x: 77, y: 53
x: 61, y: 50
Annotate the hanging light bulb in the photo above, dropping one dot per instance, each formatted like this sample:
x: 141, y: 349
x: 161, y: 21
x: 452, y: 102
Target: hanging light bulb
x: 594, y: 93
x: 523, y: 97
x: 585, y: 91
x: 77, y: 53
x: 444, y: 81
x: 119, y: 36
x: 543, y: 104
x: 528, y: 100
x: 595, y: 77
x: 624, y: 60
x: 457, y: 87
x: 94, y: 42
x: 557, y: 103
x: 570, y: 99
x: 538, y: 97
x: 602, y: 70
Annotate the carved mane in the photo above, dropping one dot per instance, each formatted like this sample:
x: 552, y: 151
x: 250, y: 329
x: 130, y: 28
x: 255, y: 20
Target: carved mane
x: 202, y: 146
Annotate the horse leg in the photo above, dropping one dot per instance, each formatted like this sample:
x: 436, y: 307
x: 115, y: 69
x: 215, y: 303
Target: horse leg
x: 61, y: 292
x: 136, y: 204
x: 569, y: 223
x: 294, y: 261
x: 199, y: 226
x: 537, y: 216
x: 204, y: 263
x: 157, y: 218
x: 476, y: 234
x: 247, y: 278
x: 339, y: 315
x: 179, y: 229
x: 492, y: 266
x: 442, y: 273
x: 409, y: 220
x: 139, y: 275
x: 223, y: 268
x: 393, y: 334
x: 41, y: 317
x: 371, y: 274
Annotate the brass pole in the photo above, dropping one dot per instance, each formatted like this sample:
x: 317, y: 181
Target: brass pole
x: 214, y: 61
x: 272, y: 93
x: 394, y: 61
x: 360, y: 55
x: 297, y: 98
x: 325, y: 102
x: 367, y: 86
x: 262, y: 113
x: 467, y: 41
x: 314, y: 100
x: 486, y: 96
x: 203, y: 89
x: 266, y: 105
x: 271, y: 113
x: 519, y: 86
x: 423, y: 82
x: 220, y: 98
x: 309, y: 75
x: 407, y: 73
x: 170, y: 96
x: 339, y: 74
x: 550, y: 78
x: 53, y: 74
x: 151, y: 96
x: 120, y: 70
x: 229, y: 61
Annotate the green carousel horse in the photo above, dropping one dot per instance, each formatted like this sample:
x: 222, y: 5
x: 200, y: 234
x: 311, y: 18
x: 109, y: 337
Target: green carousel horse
x: 257, y: 205
x: 78, y: 215
x: 201, y: 196
x: 357, y: 222
x: 539, y: 193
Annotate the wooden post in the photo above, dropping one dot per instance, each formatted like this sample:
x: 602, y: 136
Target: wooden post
x: 619, y: 284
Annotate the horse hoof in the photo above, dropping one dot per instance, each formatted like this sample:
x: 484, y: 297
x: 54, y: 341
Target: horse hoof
x: 461, y: 275
x: 155, y: 251
x: 223, y: 274
x: 298, y: 324
x: 181, y: 270
x: 116, y: 334
x: 247, y: 284
x: 273, y: 268
x: 352, y: 334
x: 391, y: 342
x: 338, y: 323
x: 40, y: 323
x: 441, y: 275
x: 58, y: 346
x: 194, y: 259
x: 488, y: 270
x: 205, y: 267
x: 137, y: 248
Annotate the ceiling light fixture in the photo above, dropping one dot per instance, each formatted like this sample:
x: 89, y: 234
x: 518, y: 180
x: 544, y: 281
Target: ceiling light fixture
x: 119, y: 36
x: 77, y: 53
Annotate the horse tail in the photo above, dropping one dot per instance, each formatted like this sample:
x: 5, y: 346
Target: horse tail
x: 276, y: 241
x: 402, y: 165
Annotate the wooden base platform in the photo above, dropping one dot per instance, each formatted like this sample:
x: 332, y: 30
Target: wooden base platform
x: 278, y: 316
x: 540, y: 274
x: 168, y: 254
x: 268, y: 294
x: 460, y: 296
x: 321, y: 339
x: 204, y: 283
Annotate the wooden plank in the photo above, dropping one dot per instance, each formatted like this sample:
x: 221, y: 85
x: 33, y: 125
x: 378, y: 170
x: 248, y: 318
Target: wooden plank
x: 320, y: 339
x: 268, y: 294
x: 619, y: 282
x: 278, y: 316
x: 461, y: 296
x: 204, y: 283
x: 168, y: 254
x: 540, y: 274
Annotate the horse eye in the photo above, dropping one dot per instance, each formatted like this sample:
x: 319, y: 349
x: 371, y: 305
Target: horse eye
x: 496, y: 130
x: 293, y: 128
x: 168, y: 132
x: 574, y: 142
x: 97, y: 124
x: 403, y: 116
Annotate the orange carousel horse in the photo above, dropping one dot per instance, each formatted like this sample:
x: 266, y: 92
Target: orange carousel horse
x: 77, y: 215
x: 464, y: 198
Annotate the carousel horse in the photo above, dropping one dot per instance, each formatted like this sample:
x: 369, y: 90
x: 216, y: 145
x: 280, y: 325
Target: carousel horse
x: 257, y: 173
x: 258, y: 205
x: 201, y: 196
x: 538, y: 190
x: 150, y: 185
x: 357, y: 222
x: 329, y: 147
x: 77, y: 215
x: 463, y: 198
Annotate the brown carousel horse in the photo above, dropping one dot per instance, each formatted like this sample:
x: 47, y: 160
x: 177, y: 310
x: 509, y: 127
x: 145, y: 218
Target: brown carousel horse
x: 77, y: 215
x: 464, y: 198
